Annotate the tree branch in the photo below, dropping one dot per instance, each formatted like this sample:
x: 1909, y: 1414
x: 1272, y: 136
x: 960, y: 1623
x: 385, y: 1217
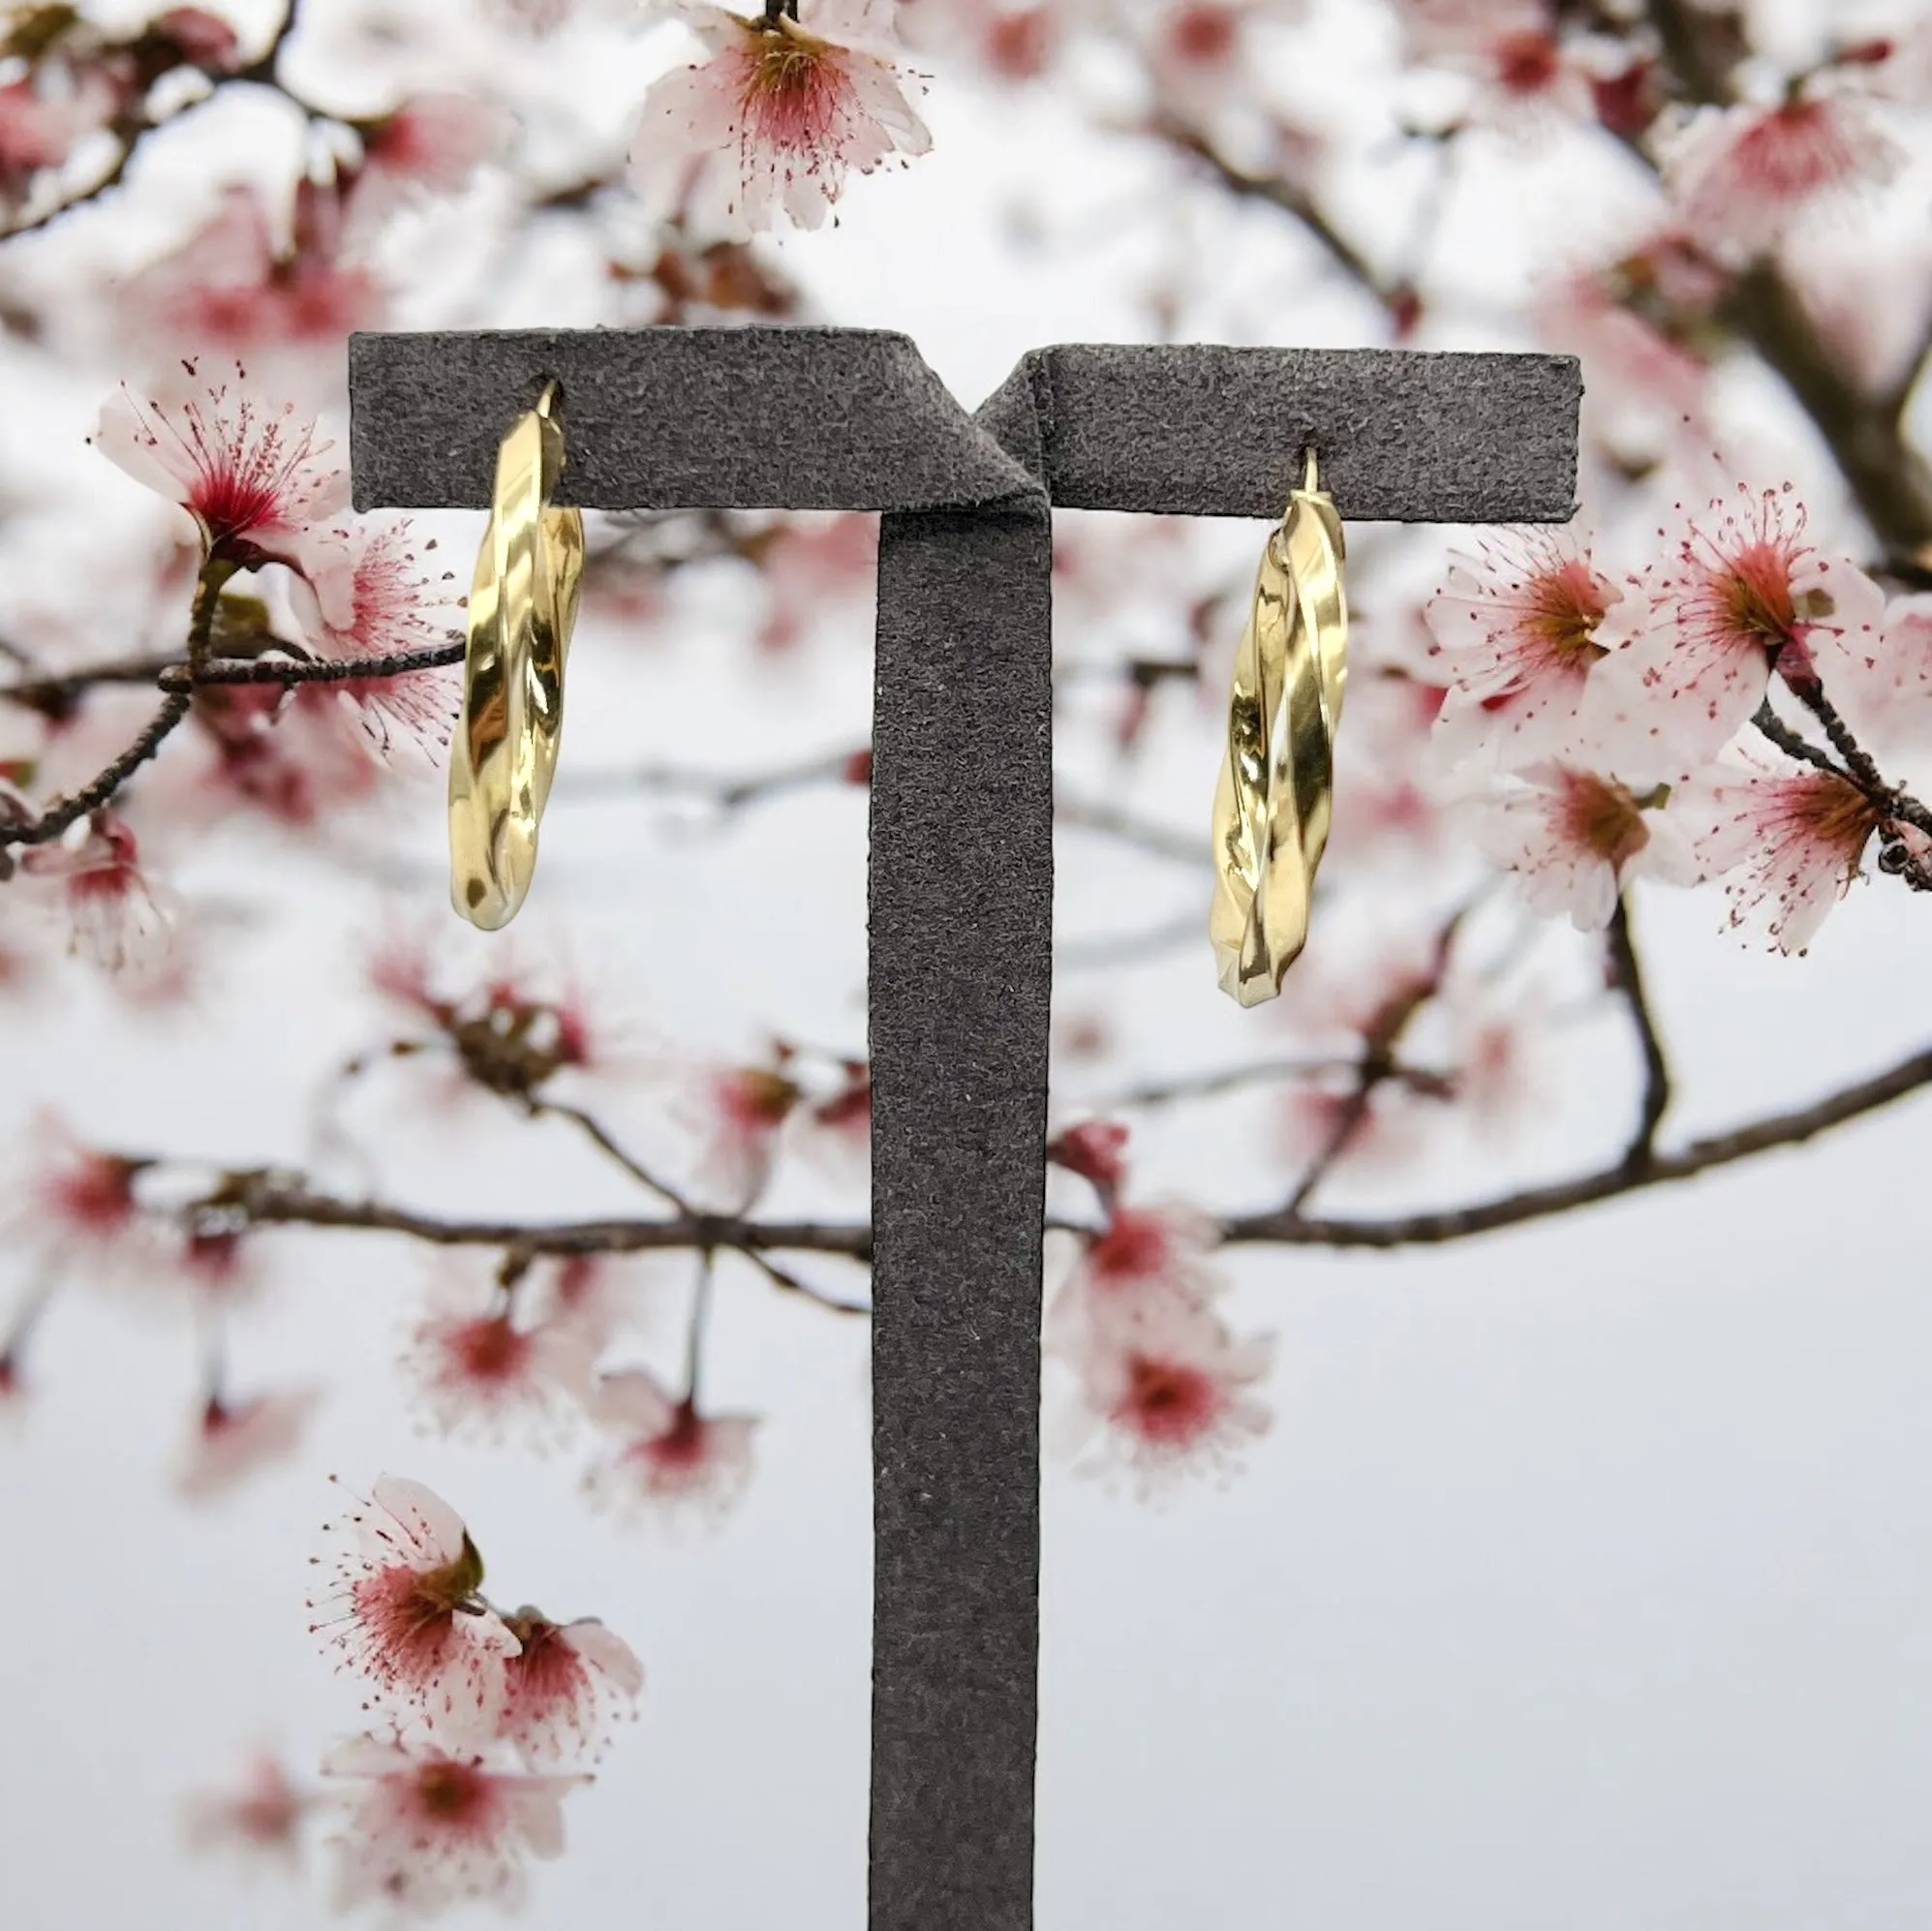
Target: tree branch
x: 59, y: 818
x: 1290, y: 197
x: 1722, y: 1149
x: 274, y: 1200
x: 270, y: 1199
x: 1266, y: 1072
x: 1627, y: 979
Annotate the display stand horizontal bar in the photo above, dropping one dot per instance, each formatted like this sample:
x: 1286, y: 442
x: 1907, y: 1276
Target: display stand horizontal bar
x: 817, y: 419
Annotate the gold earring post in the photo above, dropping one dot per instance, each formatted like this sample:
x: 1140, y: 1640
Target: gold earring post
x: 1275, y: 799
x: 523, y: 606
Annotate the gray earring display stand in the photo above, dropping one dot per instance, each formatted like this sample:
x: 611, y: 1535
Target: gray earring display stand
x: 961, y: 859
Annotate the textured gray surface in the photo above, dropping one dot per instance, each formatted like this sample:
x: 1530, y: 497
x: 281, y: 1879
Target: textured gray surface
x: 961, y: 877
x: 961, y: 971
x: 816, y: 418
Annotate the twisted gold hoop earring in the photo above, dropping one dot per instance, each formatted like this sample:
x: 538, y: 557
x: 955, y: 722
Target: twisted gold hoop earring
x: 1274, y: 803
x: 522, y: 608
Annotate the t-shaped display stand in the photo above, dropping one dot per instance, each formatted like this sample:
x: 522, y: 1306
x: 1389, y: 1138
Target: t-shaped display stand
x: 961, y: 859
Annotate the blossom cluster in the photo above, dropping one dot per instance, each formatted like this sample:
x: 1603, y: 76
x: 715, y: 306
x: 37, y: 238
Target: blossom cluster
x: 1163, y: 1387
x: 486, y: 1719
x: 1633, y: 729
x: 260, y: 480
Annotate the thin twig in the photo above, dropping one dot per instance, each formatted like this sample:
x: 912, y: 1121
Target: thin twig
x: 58, y: 817
x: 791, y: 1283
x: 1267, y: 1072
x: 1859, y: 765
x: 1774, y: 728
x: 595, y: 1131
x: 1288, y: 195
x: 700, y: 1309
x: 57, y: 690
x: 1377, y: 1063
x: 291, y: 671
x: 1627, y: 980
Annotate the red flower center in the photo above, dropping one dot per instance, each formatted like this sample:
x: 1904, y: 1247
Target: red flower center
x: 451, y: 1793
x: 410, y: 1613
x: 1566, y: 605
x: 1204, y: 34
x: 489, y: 1348
x: 95, y: 1194
x: 1600, y: 815
x: 683, y: 1444
x: 1136, y: 1246
x: 796, y: 91
x: 1527, y: 63
x: 1757, y: 594
x: 1017, y: 45
x: 547, y: 1672
x: 1167, y: 1401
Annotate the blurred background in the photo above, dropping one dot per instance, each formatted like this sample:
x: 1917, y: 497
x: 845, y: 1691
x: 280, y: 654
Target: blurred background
x: 1579, y: 1572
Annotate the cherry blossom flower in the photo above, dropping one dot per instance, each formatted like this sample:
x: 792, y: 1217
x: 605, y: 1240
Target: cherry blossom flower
x: 1330, y: 1119
x: 1013, y: 40
x: 742, y: 1110
x: 1196, y: 55
x: 485, y: 1374
x: 1019, y: 42
x: 231, y: 287
x: 1641, y: 324
x: 402, y: 1609
x: 432, y: 141
x: 809, y: 562
x: 363, y: 593
x: 1143, y: 1257
x: 1511, y: 47
x: 291, y: 763
x: 781, y: 112
x: 1353, y: 988
x: 251, y: 474
x: 1173, y: 1395
x: 1097, y: 1151
x: 82, y: 1201
x: 40, y: 124
x: 1746, y: 592
x: 428, y: 1829
x: 116, y: 921
x: 589, y: 1295
x: 1575, y: 839
x: 232, y: 1439
x: 566, y: 1685
x: 1519, y: 633
x: 259, y: 1818
x: 1495, y: 1032
x: 1157, y: 1252
x: 1788, y: 841
x: 672, y: 1459
x: 1882, y: 681
x: 1389, y: 791
x: 844, y: 1114
x: 1893, y: 65
x: 1739, y: 175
